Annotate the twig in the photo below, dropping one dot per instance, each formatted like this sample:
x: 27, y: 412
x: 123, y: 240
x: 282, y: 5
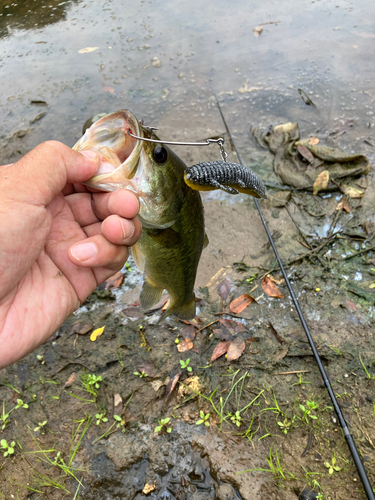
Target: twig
x: 291, y: 373
x: 70, y: 363
x: 209, y: 324
x: 358, y: 253
x: 308, y: 445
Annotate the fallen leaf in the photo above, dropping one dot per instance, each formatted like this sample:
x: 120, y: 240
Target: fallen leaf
x: 321, y: 182
x: 96, y: 333
x: 160, y: 304
x: 114, y: 281
x: 70, y: 380
x: 233, y: 326
x: 372, y: 285
x: 156, y: 384
x: 222, y: 333
x: 86, y: 50
x: 38, y: 117
x: 189, y: 332
x: 117, y: 404
x: 147, y: 368
x: 219, y: 350
x: 190, y: 385
x: 281, y: 354
x: 345, y: 206
x: 223, y: 289
x: 257, y: 31
x: 235, y: 349
x: 171, y: 385
x: 148, y: 488
x: 108, y: 89
x: 314, y: 141
x: 133, y: 312
x: 351, y: 191
x: 277, y: 336
x: 185, y: 345
x: 303, y: 151
x: 240, y: 303
x: 271, y: 288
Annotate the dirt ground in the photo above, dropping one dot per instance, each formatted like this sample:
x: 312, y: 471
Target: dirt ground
x: 86, y: 416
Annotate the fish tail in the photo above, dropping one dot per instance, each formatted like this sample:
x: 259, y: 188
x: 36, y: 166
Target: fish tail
x: 186, y: 311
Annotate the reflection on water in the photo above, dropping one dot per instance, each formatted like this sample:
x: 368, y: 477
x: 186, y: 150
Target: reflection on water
x: 164, y: 59
x: 29, y: 14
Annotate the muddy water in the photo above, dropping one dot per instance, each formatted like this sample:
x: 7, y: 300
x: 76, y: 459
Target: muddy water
x: 164, y: 61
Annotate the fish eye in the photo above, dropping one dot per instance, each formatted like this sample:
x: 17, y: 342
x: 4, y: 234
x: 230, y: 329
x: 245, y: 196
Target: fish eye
x: 160, y: 154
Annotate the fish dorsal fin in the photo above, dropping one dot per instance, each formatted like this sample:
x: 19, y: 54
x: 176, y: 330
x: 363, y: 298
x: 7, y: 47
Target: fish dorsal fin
x: 150, y: 295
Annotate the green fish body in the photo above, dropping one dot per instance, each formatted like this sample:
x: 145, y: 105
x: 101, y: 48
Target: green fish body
x: 170, y: 211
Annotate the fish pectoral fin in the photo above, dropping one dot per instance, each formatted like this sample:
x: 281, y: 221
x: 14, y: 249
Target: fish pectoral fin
x: 206, y: 240
x: 166, y: 237
x: 150, y: 295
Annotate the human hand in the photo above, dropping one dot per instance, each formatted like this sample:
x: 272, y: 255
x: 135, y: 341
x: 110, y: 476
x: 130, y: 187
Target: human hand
x: 58, y: 242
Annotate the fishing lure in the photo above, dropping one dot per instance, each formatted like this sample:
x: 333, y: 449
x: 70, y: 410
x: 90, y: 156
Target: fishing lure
x: 230, y: 177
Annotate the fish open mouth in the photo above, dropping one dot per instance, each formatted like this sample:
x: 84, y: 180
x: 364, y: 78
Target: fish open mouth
x: 118, y: 151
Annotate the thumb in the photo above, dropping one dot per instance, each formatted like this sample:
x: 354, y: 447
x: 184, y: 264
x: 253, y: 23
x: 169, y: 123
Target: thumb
x: 43, y: 172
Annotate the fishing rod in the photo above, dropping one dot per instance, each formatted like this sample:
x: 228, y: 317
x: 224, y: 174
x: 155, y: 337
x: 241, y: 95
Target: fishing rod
x: 348, y: 437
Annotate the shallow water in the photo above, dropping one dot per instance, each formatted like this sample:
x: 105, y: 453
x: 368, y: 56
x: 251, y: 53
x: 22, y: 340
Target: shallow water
x: 165, y: 60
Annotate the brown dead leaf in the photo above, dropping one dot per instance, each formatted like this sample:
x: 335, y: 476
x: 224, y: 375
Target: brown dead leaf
x: 257, y: 31
x: 172, y: 384
x: 70, y: 380
x: 314, y: 141
x: 189, y: 332
x: 234, y: 327
x: 117, y: 404
x: 352, y: 192
x: 321, y: 182
x: 110, y: 90
x: 133, y: 312
x: 235, y: 349
x: 147, y: 368
x: 306, y: 153
x: 240, y: 303
x: 275, y: 332
x: 222, y: 333
x: 219, y: 350
x: 190, y: 385
x: 281, y: 354
x: 185, y: 345
x: 271, y: 288
x: 114, y: 281
x: 162, y: 302
x: 223, y: 289
x: 344, y: 205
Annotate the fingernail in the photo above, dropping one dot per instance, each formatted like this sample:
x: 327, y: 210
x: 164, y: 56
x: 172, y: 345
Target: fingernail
x: 128, y: 228
x: 84, y: 251
x: 91, y: 155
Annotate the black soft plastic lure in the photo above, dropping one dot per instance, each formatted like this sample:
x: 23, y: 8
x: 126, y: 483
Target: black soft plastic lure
x: 230, y: 177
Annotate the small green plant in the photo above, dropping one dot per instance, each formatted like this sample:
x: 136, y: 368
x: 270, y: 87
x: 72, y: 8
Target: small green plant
x: 185, y: 365
x: 369, y: 376
x: 307, y: 411
x: 9, y: 448
x: 4, y: 417
x: 40, y: 426
x: 140, y: 375
x: 127, y: 266
x: 252, y: 278
x: 204, y: 419
x: 100, y: 417
x: 163, y: 423
x: 120, y: 422
x: 300, y: 381
x: 332, y: 467
x: 285, y: 426
x: 41, y: 359
x: 236, y: 418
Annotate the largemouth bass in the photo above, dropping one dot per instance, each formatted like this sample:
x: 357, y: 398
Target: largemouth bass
x: 171, y: 212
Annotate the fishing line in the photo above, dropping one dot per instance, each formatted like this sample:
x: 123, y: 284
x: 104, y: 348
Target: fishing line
x: 348, y: 437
